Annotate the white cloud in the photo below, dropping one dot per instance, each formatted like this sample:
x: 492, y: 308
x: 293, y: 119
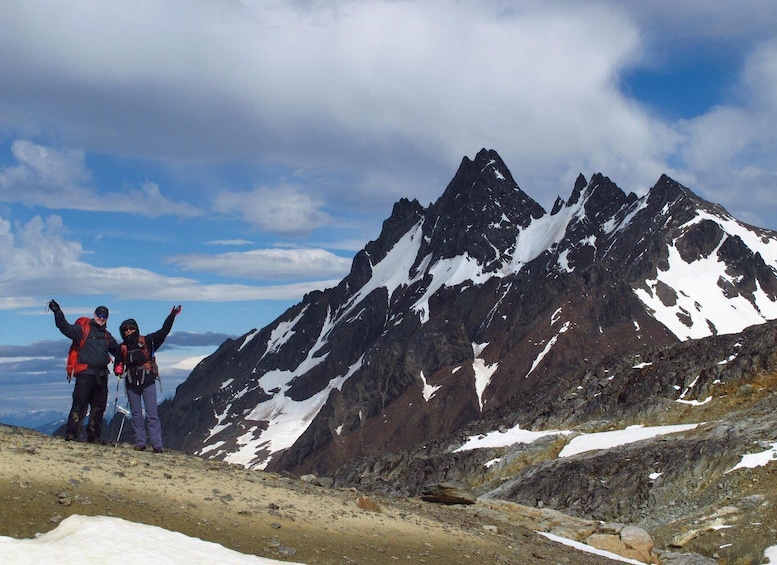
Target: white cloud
x: 59, y: 179
x: 37, y: 260
x: 283, y: 209
x: 730, y: 150
x: 267, y: 264
x: 230, y: 242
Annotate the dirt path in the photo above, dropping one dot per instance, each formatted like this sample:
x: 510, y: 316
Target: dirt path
x: 44, y: 480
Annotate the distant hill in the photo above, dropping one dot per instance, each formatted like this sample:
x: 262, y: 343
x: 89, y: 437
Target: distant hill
x: 44, y: 421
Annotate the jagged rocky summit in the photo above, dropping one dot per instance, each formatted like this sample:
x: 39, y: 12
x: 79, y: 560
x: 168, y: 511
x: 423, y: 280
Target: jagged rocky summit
x: 466, y: 311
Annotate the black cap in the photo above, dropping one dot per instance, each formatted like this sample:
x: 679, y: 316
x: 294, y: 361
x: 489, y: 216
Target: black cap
x: 101, y: 312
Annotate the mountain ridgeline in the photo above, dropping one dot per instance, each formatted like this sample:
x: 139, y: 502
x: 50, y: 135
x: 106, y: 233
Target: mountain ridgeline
x: 481, y: 310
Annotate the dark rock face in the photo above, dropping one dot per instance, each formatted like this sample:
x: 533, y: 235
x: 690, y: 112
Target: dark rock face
x: 481, y: 308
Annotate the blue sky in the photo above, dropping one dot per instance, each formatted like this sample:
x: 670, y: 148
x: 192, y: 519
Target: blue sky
x: 231, y: 156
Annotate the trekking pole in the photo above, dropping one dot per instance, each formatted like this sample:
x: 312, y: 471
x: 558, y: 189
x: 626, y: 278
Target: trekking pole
x: 124, y: 413
x: 116, y: 400
x: 115, y: 407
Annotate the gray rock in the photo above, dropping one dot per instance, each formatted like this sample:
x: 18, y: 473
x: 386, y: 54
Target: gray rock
x: 448, y: 493
x: 672, y: 558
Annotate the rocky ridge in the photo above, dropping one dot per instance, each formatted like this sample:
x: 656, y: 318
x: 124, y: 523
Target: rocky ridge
x: 683, y: 489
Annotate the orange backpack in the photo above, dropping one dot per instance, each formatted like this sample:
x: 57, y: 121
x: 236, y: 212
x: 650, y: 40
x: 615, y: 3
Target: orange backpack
x: 73, y: 366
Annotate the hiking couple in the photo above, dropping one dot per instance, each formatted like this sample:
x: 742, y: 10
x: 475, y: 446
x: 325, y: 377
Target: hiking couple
x: 88, y: 361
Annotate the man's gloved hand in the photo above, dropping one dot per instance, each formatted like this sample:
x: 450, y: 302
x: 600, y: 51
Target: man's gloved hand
x: 53, y: 306
x: 176, y: 310
x: 118, y: 369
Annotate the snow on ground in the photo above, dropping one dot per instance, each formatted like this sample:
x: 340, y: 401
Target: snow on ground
x: 578, y: 444
x: 606, y: 440
x: 508, y: 437
x: 102, y: 539
x: 760, y: 459
x: 588, y: 549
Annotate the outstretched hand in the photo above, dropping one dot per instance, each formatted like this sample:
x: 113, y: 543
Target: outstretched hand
x: 53, y: 306
x: 176, y: 310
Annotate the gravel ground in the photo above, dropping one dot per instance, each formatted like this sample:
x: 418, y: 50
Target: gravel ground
x: 44, y: 480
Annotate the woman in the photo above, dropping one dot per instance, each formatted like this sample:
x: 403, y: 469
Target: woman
x: 136, y: 362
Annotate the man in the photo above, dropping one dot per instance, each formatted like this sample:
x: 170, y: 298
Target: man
x: 136, y: 362
x: 94, y: 345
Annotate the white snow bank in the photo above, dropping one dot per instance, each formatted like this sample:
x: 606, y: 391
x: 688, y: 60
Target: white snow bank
x: 588, y: 549
x: 101, y: 539
x: 751, y: 460
x: 579, y: 444
x: 606, y: 440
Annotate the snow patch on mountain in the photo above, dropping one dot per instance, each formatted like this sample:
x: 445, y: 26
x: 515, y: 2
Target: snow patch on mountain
x: 450, y: 272
x: 547, y: 348
x: 393, y: 271
x: 506, y: 438
x: 428, y: 390
x: 483, y: 372
x: 541, y: 235
x: 288, y: 419
x: 750, y: 460
x: 766, y: 246
x: 581, y: 443
x: 701, y: 307
x: 281, y: 420
x: 282, y: 333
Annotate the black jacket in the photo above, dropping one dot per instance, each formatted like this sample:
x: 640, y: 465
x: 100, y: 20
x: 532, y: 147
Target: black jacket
x: 153, y: 340
x: 98, y: 347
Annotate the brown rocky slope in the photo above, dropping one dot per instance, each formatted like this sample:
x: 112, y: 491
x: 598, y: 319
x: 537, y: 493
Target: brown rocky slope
x: 44, y: 480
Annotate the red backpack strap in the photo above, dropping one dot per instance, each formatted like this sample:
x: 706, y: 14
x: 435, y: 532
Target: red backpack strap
x: 144, y: 346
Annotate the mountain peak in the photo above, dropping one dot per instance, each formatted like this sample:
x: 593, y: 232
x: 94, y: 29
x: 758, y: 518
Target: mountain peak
x: 482, y: 195
x: 466, y: 309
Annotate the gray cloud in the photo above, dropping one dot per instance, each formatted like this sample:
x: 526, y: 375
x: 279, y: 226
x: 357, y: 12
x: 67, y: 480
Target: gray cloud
x: 391, y: 94
x: 192, y: 339
x: 36, y: 349
x: 357, y: 103
x: 376, y: 88
x: 268, y: 264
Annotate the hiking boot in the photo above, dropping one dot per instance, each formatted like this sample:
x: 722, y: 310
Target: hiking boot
x: 140, y: 448
x: 158, y: 450
x: 97, y: 441
x: 70, y: 437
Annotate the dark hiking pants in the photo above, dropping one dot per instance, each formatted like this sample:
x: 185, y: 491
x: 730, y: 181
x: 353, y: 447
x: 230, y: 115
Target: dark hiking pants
x: 90, y: 391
